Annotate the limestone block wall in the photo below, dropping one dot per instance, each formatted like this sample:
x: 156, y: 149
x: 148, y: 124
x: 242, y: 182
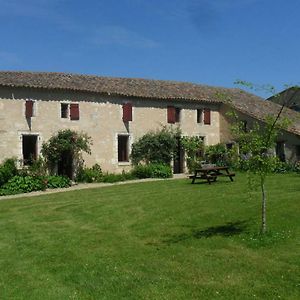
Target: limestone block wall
x: 100, y: 118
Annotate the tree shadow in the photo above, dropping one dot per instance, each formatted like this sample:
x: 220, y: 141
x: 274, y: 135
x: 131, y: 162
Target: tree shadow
x: 227, y: 230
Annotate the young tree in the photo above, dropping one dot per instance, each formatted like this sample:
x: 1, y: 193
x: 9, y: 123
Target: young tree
x: 256, y: 147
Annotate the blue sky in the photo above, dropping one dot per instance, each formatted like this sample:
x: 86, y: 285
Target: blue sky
x: 214, y: 42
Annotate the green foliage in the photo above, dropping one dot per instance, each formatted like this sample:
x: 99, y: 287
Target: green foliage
x: 8, y: 170
x: 194, y: 149
x: 112, y: 178
x: 161, y: 171
x: 66, y: 142
x: 54, y: 182
x: 93, y: 174
x: 156, y: 146
x: 220, y: 155
x: 284, y: 167
x: 38, y: 168
x: 256, y: 145
x: 152, y: 171
x: 23, y: 184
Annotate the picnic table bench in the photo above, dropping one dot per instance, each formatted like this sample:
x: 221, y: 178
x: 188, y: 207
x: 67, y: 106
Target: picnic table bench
x: 210, y: 174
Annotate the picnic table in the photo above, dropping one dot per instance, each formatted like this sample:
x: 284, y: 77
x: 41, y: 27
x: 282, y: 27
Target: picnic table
x: 211, y: 173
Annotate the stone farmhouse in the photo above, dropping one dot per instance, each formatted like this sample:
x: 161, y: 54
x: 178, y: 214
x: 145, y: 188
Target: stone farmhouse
x: 115, y: 112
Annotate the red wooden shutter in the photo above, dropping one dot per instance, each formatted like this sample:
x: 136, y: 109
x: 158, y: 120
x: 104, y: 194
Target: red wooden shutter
x: 171, y: 114
x: 127, y: 112
x: 207, y: 116
x: 74, y: 111
x: 29, y: 108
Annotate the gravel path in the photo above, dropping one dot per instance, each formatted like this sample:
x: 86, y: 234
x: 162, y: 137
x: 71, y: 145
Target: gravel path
x: 82, y: 186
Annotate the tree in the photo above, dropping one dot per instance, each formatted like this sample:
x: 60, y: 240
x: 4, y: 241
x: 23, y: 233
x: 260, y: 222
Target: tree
x: 256, y: 147
x: 156, y: 146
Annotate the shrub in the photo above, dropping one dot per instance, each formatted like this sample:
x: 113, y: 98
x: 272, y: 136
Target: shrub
x: 112, y: 178
x: 194, y: 149
x: 26, y: 184
x: 156, y: 147
x: 54, y: 182
x: 161, y: 171
x: 220, y: 155
x: 65, y: 148
x: 93, y: 174
x: 142, y: 171
x: 283, y: 167
x: 152, y: 171
x: 8, y: 170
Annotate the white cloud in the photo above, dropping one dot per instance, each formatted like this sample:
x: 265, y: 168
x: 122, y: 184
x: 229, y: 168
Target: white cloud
x: 117, y: 35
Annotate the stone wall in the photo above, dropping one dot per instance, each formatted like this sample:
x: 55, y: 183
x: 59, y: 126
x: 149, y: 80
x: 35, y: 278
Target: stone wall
x: 100, y: 118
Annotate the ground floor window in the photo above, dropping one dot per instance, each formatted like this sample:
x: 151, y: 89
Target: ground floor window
x: 298, y: 152
x: 280, y: 153
x: 123, y: 148
x: 29, y: 149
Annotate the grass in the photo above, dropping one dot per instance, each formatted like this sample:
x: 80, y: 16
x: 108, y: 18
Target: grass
x: 154, y: 240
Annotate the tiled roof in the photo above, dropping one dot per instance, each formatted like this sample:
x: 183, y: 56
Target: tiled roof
x: 156, y: 89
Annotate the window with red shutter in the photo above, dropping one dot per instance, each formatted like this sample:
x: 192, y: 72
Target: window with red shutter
x: 127, y: 112
x: 207, y: 118
x: 29, y: 108
x: 74, y: 111
x: 171, y: 114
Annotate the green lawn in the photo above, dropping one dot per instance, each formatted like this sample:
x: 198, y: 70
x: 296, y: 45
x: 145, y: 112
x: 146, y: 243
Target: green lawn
x: 154, y: 240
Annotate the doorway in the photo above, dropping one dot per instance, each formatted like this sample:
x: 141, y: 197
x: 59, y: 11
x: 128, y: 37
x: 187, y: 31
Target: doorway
x: 29, y: 149
x: 178, y: 158
x: 65, y: 165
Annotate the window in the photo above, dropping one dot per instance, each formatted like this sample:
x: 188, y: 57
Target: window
x: 229, y: 146
x: 29, y: 108
x: 127, y: 112
x: 245, y: 126
x: 280, y: 151
x: 199, y: 115
x: 173, y: 114
x: 64, y: 110
x: 207, y: 117
x: 123, y: 147
x: 29, y: 149
x: 298, y: 151
x: 71, y: 109
x: 177, y: 114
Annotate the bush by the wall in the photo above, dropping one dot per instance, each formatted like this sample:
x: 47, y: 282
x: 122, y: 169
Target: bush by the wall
x: 112, y: 178
x: 8, y: 170
x: 93, y: 174
x: 54, y: 182
x: 156, y: 146
x: 161, y: 171
x: 284, y: 167
x: 152, y: 171
x: 26, y: 184
x: 142, y: 171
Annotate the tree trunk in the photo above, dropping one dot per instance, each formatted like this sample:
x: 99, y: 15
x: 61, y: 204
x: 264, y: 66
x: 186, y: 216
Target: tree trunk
x: 263, y: 206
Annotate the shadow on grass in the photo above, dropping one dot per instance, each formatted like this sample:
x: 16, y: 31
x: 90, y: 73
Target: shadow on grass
x: 226, y: 230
